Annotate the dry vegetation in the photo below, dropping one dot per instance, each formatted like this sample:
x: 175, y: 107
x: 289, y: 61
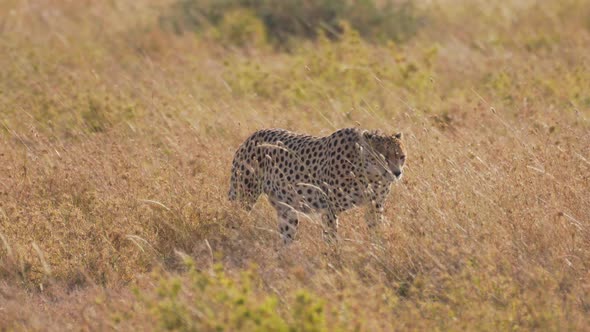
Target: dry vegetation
x: 116, y: 138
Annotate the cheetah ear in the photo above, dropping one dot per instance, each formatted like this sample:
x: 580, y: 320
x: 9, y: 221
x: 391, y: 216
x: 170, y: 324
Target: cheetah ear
x: 398, y: 135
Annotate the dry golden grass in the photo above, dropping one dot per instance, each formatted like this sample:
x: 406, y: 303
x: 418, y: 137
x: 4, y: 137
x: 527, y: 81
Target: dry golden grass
x: 116, y: 140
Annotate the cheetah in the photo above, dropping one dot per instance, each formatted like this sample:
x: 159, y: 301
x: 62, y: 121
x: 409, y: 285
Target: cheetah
x: 323, y: 175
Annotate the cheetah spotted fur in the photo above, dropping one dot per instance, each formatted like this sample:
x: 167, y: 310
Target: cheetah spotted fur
x: 325, y: 175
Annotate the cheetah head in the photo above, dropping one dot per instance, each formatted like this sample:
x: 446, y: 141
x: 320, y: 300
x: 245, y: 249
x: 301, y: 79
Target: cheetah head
x: 388, y: 153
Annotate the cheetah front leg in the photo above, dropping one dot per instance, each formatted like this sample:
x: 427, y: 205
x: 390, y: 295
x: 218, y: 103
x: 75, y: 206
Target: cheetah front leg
x: 374, y: 214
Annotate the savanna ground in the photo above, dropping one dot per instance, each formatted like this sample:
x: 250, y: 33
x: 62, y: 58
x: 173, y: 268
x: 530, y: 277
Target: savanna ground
x: 119, y: 119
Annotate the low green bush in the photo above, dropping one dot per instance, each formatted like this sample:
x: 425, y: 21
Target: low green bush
x: 214, y: 301
x: 284, y: 20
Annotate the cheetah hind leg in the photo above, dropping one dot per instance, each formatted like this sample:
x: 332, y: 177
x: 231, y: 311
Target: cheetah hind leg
x: 247, y: 194
x: 288, y: 222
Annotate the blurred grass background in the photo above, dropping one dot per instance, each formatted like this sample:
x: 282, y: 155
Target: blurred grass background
x: 119, y: 119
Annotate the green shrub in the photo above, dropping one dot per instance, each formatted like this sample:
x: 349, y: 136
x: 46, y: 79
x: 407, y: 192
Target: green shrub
x: 207, y: 301
x: 308, y: 313
x: 349, y: 69
x: 240, y: 27
x: 283, y: 20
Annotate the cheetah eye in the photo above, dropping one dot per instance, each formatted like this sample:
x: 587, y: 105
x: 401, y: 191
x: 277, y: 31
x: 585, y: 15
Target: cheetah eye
x: 402, y: 158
